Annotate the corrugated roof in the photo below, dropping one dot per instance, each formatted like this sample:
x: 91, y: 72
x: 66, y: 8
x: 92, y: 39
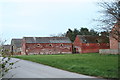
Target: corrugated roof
x: 47, y: 40
x: 93, y: 39
x: 16, y: 42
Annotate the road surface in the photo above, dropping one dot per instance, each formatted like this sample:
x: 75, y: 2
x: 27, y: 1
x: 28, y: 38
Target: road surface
x: 28, y: 69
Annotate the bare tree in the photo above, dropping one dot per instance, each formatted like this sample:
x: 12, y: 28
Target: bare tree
x: 110, y: 19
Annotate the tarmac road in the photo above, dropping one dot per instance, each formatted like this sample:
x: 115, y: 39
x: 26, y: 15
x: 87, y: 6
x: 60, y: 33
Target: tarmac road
x: 28, y: 69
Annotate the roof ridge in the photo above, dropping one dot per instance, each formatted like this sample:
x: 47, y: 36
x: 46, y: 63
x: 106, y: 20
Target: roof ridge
x: 47, y: 40
x: 46, y: 37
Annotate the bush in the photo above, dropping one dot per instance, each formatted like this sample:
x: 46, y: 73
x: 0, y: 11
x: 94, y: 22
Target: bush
x: 5, y: 64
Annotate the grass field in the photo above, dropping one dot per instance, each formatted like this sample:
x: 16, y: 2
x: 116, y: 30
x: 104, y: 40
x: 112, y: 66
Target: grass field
x: 92, y: 64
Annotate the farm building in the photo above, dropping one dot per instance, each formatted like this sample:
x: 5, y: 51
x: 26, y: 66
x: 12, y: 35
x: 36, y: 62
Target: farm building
x: 114, y: 44
x: 114, y: 47
x: 6, y: 48
x: 46, y: 45
x: 90, y: 44
x: 16, y: 45
x: 114, y: 41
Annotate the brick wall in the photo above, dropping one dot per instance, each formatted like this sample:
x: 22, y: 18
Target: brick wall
x: 77, y: 45
x: 113, y: 43
x: 89, y: 47
x: 23, y: 47
x: 47, y: 48
x: 93, y: 47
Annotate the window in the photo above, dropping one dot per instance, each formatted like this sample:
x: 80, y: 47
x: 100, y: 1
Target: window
x: 26, y: 50
x: 85, y: 41
x: 61, y: 44
x: 50, y: 44
x: 38, y: 45
x: 97, y: 41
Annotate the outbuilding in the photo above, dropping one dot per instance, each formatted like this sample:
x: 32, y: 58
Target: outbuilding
x: 90, y: 44
x: 46, y: 45
x: 16, y: 45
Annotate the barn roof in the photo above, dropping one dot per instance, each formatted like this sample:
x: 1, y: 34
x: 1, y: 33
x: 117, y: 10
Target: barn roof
x: 47, y: 40
x: 16, y: 42
x: 93, y: 39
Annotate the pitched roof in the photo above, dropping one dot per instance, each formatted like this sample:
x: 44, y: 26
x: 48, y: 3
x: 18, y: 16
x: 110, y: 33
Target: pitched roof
x: 93, y: 39
x: 16, y: 42
x: 47, y: 40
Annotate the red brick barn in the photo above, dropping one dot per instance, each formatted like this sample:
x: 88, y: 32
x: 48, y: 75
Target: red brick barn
x: 46, y: 45
x: 114, y: 44
x: 114, y: 41
x: 115, y: 36
x: 90, y: 44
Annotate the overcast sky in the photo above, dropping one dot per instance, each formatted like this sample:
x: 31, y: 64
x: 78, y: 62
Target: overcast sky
x: 42, y: 18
